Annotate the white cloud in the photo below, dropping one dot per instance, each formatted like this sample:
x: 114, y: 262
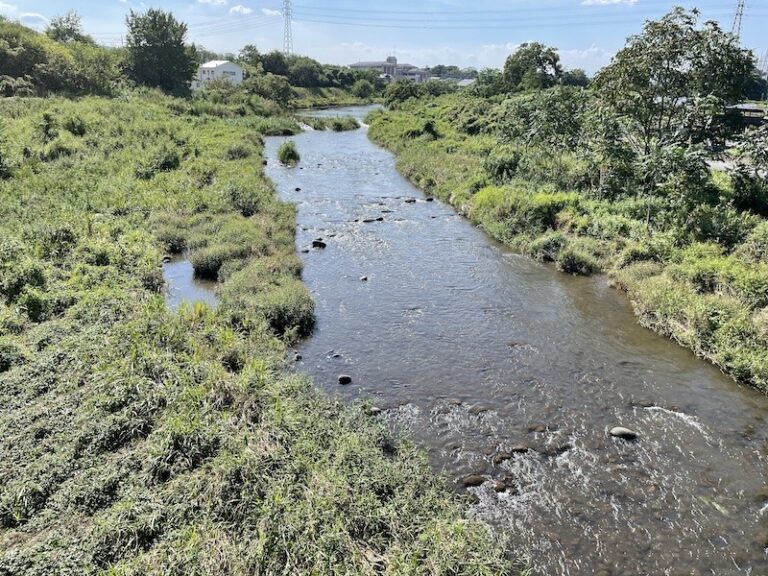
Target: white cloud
x: 213, y: 2
x: 608, y: 2
x: 33, y: 20
x: 240, y: 9
x: 268, y: 12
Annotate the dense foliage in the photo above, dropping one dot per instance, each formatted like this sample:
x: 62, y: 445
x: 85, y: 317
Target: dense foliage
x: 138, y: 440
x: 34, y: 63
x: 157, y: 55
x: 616, y: 178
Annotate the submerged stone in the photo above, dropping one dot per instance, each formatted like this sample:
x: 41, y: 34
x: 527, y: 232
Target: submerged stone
x: 623, y: 433
x: 500, y: 457
x: 344, y: 379
x: 472, y: 480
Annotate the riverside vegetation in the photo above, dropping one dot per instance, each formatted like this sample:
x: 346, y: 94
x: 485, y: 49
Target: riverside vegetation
x: 138, y: 440
x: 614, y: 177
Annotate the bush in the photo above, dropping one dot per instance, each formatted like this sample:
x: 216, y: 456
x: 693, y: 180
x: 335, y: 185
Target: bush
x: 238, y: 152
x: 575, y: 261
x: 75, y: 125
x: 547, y: 248
x: 164, y: 159
x: 11, y: 355
x: 288, y: 154
x: 755, y: 248
x: 246, y: 200
x: 502, y: 164
x: 363, y: 89
x: 344, y: 124
x: 208, y: 261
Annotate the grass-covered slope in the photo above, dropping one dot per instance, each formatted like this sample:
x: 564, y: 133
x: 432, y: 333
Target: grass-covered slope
x: 137, y: 440
x: 698, y: 273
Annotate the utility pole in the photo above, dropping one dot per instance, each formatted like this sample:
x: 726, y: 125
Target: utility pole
x: 288, y: 30
x: 736, y: 28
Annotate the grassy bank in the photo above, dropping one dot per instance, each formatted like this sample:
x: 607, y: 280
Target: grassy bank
x: 136, y: 440
x: 692, y: 262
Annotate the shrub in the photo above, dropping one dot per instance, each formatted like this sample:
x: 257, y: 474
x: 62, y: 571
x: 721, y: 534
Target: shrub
x: 238, y: 152
x: 344, y: 124
x: 755, y: 248
x: 575, y: 261
x: 164, y: 159
x: 363, y: 89
x: 11, y: 354
x: 75, y: 125
x: 63, y: 146
x: 288, y: 154
x: 38, y: 305
x: 245, y: 199
x: 547, y: 248
x: 208, y: 261
x: 502, y: 164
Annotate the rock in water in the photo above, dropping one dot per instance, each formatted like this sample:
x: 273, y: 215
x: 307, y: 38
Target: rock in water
x: 344, y: 379
x: 624, y: 433
x: 472, y: 480
x: 318, y: 243
x: 500, y: 457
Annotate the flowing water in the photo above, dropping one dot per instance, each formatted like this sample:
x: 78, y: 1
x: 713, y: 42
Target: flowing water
x: 475, y: 350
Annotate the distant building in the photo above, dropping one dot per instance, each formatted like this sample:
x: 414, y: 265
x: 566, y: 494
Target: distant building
x: 216, y: 69
x: 466, y: 83
x: 390, y: 70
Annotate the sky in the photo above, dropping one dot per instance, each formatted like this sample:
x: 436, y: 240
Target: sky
x: 476, y: 33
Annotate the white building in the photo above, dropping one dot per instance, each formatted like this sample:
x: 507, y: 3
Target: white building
x: 218, y: 69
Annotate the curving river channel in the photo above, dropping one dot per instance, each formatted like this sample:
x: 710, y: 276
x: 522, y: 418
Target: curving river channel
x: 505, y: 368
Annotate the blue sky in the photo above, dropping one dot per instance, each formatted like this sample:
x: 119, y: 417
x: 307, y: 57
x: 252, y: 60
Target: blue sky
x: 480, y: 33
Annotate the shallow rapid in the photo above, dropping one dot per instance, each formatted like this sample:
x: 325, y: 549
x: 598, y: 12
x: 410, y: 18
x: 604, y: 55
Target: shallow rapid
x: 503, y: 367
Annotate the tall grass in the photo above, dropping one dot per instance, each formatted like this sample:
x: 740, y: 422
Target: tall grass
x: 137, y: 440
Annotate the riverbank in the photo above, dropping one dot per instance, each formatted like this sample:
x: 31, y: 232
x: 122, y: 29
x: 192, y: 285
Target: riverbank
x: 709, y: 296
x: 140, y: 440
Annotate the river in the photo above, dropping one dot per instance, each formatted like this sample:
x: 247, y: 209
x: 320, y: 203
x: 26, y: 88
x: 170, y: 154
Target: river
x: 503, y: 367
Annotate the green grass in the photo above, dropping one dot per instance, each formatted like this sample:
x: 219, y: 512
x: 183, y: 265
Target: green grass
x: 699, y: 276
x: 138, y: 440
x: 337, y: 124
x: 288, y: 154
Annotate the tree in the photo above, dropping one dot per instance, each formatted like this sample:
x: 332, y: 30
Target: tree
x: 490, y: 82
x: 67, y: 28
x: 157, y: 55
x: 532, y: 67
x: 670, y: 83
x: 575, y: 77
x: 750, y: 176
x: 400, y: 91
x: 275, y: 63
x: 270, y: 86
x: 303, y: 71
x: 249, y: 55
x: 362, y: 89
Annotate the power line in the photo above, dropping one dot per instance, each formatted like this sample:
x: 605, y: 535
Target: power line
x: 467, y: 25
x: 288, y: 28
